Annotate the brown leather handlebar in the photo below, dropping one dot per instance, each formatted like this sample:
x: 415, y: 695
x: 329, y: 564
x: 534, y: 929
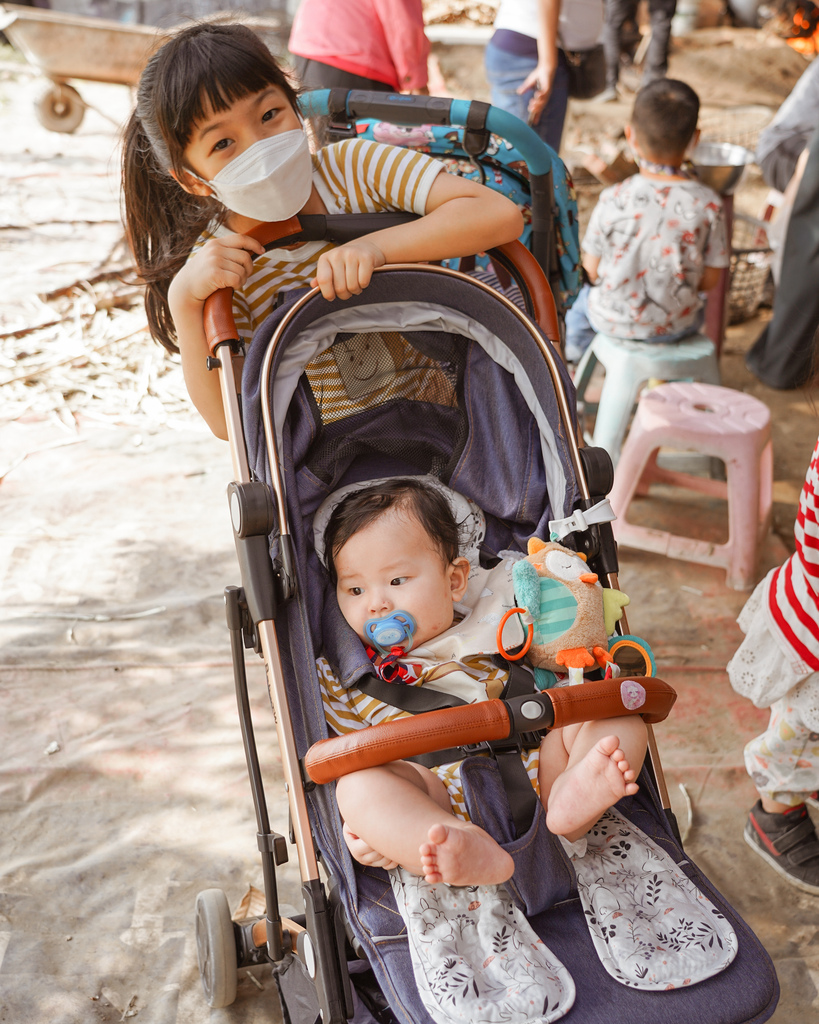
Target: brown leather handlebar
x: 536, y: 284
x: 612, y: 698
x: 218, y: 312
x: 418, y: 734
x: 488, y: 720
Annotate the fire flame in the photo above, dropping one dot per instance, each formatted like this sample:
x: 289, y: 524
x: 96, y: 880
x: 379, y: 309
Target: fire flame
x: 805, y: 31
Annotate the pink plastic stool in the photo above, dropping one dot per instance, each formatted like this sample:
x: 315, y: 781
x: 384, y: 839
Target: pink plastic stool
x: 714, y: 421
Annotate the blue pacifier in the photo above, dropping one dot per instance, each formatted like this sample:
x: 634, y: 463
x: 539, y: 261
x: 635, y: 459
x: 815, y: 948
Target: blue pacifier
x: 391, y: 631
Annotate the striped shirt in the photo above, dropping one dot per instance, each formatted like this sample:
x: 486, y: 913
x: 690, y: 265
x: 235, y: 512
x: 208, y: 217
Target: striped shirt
x: 354, y: 176
x: 793, y: 589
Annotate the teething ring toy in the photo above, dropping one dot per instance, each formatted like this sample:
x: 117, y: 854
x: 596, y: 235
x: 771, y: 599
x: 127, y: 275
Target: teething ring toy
x: 527, y: 643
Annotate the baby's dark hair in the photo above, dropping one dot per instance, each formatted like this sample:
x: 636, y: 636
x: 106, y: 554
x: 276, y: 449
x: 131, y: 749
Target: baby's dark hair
x: 403, y: 494
x: 203, y: 66
x: 665, y: 117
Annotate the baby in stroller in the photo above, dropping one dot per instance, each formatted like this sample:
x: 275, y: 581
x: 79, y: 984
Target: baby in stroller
x: 392, y: 551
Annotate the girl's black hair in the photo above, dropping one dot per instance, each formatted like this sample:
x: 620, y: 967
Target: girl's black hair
x: 665, y: 117
x: 416, y: 499
x: 205, y: 66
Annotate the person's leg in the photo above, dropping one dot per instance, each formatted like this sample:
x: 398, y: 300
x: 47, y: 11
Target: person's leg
x: 656, y: 64
x: 780, y: 761
x: 505, y: 72
x: 617, y: 12
x: 784, y: 768
x: 549, y: 125
x: 783, y: 354
x: 403, y: 811
x: 585, y: 769
x: 579, y: 332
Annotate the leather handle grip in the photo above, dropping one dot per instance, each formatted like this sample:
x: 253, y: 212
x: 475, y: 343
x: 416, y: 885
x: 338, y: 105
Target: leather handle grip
x: 647, y: 696
x: 218, y: 312
x: 329, y: 759
x: 418, y: 734
x: 536, y: 284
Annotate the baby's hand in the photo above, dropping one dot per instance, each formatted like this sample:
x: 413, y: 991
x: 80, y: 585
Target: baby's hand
x: 365, y: 854
x: 347, y: 270
x: 223, y: 262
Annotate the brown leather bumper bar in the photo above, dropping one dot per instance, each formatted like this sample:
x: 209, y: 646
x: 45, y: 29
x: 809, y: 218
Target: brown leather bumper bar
x: 610, y: 698
x: 487, y: 721
x: 220, y: 326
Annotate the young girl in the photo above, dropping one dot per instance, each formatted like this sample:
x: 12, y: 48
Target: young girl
x: 777, y: 666
x: 392, y: 551
x: 216, y: 146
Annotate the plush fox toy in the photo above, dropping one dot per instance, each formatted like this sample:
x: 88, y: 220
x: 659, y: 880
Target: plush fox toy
x: 573, y: 614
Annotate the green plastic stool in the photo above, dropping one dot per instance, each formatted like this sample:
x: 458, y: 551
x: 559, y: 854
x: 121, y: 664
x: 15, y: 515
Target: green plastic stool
x: 629, y: 366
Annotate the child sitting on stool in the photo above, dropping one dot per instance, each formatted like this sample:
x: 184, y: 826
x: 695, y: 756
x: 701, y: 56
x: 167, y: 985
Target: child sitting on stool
x: 655, y: 241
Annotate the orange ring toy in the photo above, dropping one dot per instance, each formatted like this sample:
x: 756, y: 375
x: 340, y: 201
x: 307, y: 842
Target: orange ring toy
x: 527, y: 643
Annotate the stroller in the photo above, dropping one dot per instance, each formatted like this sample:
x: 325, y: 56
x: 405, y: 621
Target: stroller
x: 457, y: 382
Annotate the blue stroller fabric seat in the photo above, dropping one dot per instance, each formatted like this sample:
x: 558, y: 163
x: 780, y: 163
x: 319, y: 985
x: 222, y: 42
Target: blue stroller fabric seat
x: 428, y: 372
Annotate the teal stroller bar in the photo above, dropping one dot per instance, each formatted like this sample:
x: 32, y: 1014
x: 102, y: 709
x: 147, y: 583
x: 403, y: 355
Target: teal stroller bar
x: 479, y: 120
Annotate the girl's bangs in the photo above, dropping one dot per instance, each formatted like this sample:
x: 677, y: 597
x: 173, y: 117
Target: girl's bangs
x: 222, y: 74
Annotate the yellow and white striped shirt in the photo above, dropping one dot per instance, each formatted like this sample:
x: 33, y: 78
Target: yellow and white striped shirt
x: 354, y: 176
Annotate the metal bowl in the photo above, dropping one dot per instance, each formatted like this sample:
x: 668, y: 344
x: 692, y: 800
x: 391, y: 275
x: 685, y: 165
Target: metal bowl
x: 719, y: 165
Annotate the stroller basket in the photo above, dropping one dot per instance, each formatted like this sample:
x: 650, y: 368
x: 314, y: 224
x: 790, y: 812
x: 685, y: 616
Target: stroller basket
x: 459, y: 383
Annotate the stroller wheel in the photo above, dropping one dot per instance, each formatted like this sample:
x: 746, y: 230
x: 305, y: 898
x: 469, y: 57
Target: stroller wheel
x: 216, y: 948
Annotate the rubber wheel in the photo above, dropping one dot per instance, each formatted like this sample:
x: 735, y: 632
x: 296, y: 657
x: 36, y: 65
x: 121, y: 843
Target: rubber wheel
x: 216, y: 948
x: 60, y: 109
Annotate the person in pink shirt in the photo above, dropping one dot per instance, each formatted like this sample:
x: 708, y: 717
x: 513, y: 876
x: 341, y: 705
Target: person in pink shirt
x: 360, y: 44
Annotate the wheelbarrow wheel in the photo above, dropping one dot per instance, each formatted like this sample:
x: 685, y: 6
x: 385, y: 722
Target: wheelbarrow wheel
x: 216, y: 948
x: 60, y: 109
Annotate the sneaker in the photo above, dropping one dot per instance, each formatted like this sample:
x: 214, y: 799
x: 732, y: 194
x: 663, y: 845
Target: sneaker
x: 788, y: 842
x: 609, y: 95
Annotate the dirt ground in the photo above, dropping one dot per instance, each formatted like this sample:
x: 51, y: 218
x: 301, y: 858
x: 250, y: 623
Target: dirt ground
x: 123, y: 789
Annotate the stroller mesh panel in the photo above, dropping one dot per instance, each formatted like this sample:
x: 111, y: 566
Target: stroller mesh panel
x: 360, y: 371
x: 388, y: 394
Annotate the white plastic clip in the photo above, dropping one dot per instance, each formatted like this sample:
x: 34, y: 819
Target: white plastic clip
x: 581, y: 520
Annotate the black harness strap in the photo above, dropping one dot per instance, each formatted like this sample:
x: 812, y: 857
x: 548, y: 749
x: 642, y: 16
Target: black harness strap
x: 476, y: 135
x: 507, y: 753
x: 414, y: 699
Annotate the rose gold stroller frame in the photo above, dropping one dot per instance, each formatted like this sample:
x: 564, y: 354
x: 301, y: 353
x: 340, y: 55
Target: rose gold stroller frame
x: 250, y: 504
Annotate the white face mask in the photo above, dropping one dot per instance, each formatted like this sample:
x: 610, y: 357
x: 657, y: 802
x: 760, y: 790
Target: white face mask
x: 270, y: 181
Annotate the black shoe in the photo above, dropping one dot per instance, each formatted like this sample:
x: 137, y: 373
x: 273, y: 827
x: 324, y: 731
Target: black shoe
x: 788, y: 842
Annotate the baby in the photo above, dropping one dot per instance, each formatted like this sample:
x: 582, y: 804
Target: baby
x: 392, y: 551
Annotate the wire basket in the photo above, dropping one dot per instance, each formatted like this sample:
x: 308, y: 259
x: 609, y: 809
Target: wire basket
x: 741, y: 126
x: 750, y: 267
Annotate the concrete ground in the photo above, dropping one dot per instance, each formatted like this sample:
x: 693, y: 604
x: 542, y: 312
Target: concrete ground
x: 688, y: 615
x: 123, y: 789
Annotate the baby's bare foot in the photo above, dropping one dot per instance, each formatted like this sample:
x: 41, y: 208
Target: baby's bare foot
x: 464, y: 854
x: 581, y: 793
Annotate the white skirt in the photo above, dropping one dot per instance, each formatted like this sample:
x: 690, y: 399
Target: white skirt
x: 761, y: 671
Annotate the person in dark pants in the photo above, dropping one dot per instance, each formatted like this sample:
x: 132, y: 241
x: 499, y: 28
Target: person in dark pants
x: 788, y: 156
x: 618, y: 12
x: 783, y: 355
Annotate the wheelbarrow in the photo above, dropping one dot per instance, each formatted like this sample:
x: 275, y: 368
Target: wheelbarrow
x: 67, y: 46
